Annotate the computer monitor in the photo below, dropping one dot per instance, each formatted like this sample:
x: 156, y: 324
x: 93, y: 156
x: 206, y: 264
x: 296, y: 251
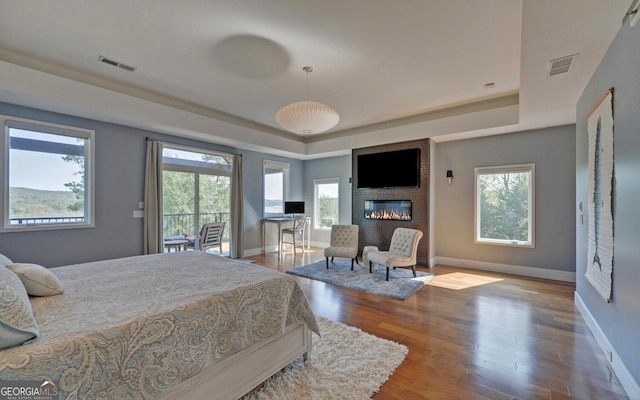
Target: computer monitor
x: 294, y: 207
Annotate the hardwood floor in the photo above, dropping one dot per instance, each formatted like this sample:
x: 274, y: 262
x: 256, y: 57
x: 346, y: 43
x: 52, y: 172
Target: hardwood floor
x: 473, y: 335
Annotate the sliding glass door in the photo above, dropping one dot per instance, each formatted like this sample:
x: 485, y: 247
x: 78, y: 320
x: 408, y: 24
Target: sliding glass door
x: 196, y: 191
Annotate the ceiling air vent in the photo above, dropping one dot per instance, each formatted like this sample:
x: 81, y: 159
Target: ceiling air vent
x: 116, y: 63
x: 562, y: 65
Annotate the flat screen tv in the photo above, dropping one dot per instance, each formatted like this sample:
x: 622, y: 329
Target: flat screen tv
x: 400, y: 168
x: 294, y: 207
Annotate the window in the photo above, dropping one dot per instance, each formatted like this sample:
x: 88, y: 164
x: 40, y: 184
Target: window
x: 196, y: 189
x: 276, y: 187
x: 48, y: 176
x: 505, y: 205
x: 326, y: 204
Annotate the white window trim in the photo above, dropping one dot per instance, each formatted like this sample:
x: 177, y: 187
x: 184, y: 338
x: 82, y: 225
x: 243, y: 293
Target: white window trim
x: 530, y: 168
x: 64, y: 130
x: 270, y: 164
x: 316, y: 217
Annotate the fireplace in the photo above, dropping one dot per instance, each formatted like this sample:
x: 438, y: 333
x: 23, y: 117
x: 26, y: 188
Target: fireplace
x: 396, y: 210
x: 378, y: 232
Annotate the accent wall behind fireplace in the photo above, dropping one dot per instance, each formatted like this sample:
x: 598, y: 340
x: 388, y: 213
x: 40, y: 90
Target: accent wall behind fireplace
x: 379, y: 211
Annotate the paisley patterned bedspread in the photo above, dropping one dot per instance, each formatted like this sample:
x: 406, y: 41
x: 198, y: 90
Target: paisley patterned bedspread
x: 135, y: 327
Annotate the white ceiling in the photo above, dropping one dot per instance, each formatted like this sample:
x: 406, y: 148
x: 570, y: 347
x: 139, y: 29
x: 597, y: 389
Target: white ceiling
x: 219, y: 70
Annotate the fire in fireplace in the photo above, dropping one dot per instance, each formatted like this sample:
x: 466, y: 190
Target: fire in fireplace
x: 399, y: 210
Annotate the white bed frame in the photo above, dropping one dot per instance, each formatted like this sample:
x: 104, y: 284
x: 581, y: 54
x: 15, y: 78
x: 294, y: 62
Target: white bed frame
x: 236, y: 375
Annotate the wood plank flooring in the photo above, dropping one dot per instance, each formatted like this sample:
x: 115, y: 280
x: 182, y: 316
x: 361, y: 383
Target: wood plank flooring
x: 473, y: 335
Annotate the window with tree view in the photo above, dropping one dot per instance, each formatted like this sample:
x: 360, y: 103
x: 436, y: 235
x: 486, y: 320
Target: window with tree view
x: 49, y: 177
x: 505, y: 205
x: 327, y: 203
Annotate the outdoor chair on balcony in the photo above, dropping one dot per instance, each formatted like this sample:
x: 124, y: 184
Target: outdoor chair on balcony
x: 402, y: 251
x: 344, y: 243
x: 210, y: 236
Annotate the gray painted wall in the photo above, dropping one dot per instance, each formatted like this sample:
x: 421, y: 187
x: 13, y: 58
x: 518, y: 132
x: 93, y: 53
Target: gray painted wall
x: 553, y: 152
x: 619, y: 320
x: 120, y: 161
x: 119, y: 179
x: 333, y: 167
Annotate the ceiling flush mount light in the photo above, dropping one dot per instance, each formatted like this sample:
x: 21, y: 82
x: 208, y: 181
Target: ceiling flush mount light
x: 307, y: 117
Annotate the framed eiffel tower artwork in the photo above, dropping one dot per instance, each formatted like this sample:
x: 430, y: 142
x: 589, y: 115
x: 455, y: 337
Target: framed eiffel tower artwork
x: 601, y: 185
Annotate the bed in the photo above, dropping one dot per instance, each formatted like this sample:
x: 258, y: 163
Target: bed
x: 182, y: 325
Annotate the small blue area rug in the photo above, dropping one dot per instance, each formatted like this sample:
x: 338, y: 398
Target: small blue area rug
x: 401, y: 284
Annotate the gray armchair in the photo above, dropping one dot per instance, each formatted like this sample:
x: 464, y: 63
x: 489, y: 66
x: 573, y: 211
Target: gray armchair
x: 402, y: 252
x: 344, y: 243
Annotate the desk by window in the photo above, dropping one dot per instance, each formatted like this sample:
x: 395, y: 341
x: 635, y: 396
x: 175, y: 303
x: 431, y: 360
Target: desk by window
x: 280, y: 221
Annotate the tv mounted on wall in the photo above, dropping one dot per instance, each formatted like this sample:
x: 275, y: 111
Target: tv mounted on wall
x: 399, y: 168
x: 294, y: 207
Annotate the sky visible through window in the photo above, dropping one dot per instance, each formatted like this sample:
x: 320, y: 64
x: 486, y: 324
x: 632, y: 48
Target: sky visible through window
x: 37, y: 170
x: 328, y: 190
x: 273, y: 190
x: 194, y: 156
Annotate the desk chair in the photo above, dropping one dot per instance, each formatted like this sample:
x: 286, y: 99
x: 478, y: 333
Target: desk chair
x: 299, y: 225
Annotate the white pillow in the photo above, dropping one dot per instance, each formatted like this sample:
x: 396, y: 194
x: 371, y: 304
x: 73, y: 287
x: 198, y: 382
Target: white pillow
x: 38, y: 280
x: 4, y: 261
x: 17, y: 322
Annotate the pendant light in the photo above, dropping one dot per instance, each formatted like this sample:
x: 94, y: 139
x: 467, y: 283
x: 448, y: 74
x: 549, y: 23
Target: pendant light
x: 307, y: 117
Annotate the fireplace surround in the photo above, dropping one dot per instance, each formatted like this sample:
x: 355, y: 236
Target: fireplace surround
x: 378, y: 232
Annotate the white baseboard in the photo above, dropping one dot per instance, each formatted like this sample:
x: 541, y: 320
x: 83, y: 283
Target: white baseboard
x: 619, y: 368
x: 252, y: 252
x: 320, y: 245
x: 505, y: 268
x: 274, y: 248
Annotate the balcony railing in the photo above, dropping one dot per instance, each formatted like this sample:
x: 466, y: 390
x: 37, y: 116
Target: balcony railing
x: 44, y: 220
x: 179, y: 224
x: 174, y: 224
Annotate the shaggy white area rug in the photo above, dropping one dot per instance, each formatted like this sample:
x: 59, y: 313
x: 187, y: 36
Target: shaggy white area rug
x: 345, y: 363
